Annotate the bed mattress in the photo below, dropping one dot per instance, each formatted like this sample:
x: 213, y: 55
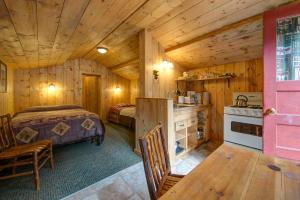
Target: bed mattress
x: 61, y: 124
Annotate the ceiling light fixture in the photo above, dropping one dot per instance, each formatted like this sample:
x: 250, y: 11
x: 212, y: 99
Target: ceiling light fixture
x: 102, y: 50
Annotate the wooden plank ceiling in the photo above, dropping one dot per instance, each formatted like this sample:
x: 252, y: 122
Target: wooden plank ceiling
x: 196, y: 33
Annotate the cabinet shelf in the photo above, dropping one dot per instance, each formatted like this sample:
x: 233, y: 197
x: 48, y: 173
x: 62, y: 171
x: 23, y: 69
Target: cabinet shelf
x: 186, y: 128
x: 179, y: 136
x: 191, y: 146
x: 201, y: 142
x: 191, y: 134
x: 180, y: 153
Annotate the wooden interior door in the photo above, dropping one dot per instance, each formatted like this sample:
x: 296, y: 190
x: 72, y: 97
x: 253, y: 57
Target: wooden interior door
x: 282, y: 82
x: 91, y: 93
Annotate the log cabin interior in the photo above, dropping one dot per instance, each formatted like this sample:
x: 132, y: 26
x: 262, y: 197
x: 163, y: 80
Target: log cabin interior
x: 150, y: 99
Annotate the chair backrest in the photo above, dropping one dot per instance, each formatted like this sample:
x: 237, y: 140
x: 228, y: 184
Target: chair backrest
x: 7, y: 137
x: 156, y: 160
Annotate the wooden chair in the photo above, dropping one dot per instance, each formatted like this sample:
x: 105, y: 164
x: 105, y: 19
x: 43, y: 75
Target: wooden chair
x: 157, y: 163
x: 13, y: 155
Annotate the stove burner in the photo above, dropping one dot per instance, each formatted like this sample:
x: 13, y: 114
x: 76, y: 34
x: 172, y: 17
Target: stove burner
x: 249, y: 106
x: 255, y: 106
x: 235, y: 106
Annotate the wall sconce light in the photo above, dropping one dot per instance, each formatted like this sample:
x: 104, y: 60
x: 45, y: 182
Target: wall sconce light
x: 117, y: 89
x: 170, y: 65
x: 167, y: 64
x: 155, y: 74
x: 51, y: 87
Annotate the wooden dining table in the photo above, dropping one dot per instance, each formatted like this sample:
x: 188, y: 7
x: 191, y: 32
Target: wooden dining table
x: 236, y: 173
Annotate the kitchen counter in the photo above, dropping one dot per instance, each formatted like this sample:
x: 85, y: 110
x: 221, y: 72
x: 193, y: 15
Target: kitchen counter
x: 182, y: 107
x: 180, y: 124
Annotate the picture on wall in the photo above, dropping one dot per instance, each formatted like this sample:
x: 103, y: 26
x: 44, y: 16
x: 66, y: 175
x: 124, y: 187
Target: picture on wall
x: 3, y: 77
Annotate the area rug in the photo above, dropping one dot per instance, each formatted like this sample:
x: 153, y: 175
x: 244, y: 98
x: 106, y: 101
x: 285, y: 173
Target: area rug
x: 76, y: 167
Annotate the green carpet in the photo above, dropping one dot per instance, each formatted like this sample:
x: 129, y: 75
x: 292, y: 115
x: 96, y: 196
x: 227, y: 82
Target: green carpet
x: 76, y: 167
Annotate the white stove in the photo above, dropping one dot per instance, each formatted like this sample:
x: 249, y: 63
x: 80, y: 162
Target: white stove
x: 243, y: 125
x: 248, y: 111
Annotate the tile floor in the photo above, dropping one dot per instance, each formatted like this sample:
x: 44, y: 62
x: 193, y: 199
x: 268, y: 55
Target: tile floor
x: 130, y: 183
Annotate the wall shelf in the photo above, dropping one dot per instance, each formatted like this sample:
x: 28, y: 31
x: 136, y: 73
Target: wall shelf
x: 207, y: 79
x: 223, y: 77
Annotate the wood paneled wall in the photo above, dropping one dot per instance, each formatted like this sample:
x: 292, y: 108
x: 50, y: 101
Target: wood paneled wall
x: 7, y: 99
x: 249, y: 79
x: 134, y: 90
x: 151, y: 112
x: 31, y: 85
x: 151, y: 57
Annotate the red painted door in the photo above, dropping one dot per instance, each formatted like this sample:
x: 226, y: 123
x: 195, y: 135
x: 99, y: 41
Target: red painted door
x: 282, y: 82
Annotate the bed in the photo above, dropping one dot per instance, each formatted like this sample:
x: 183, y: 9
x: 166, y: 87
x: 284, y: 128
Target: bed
x: 123, y: 114
x: 63, y: 124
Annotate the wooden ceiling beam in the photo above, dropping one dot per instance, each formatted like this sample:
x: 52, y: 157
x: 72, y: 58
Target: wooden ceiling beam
x: 196, y: 39
x: 125, y: 64
x: 216, y: 32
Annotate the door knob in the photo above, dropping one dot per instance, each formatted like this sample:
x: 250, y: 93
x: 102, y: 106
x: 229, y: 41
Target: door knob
x: 270, y: 111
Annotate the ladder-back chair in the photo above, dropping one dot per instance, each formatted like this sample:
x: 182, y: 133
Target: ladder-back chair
x: 13, y: 155
x: 157, y: 163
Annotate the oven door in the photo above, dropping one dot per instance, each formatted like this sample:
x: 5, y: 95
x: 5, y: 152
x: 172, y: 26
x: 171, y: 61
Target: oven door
x: 243, y: 130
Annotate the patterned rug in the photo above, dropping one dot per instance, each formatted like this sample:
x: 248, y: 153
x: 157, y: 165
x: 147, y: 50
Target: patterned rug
x: 76, y: 167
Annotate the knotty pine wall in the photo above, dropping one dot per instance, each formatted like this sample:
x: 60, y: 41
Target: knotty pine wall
x: 249, y: 79
x: 7, y: 99
x: 31, y: 85
x: 134, y: 90
x: 151, y: 57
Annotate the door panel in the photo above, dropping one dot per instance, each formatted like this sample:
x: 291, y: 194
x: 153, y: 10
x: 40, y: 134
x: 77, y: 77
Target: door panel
x: 285, y: 132
x: 293, y: 105
x: 91, y: 94
x: 282, y: 82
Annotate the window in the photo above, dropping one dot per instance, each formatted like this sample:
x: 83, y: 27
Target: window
x: 288, y: 49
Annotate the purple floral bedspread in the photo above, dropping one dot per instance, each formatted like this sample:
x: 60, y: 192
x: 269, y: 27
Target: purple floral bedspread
x: 63, y: 124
